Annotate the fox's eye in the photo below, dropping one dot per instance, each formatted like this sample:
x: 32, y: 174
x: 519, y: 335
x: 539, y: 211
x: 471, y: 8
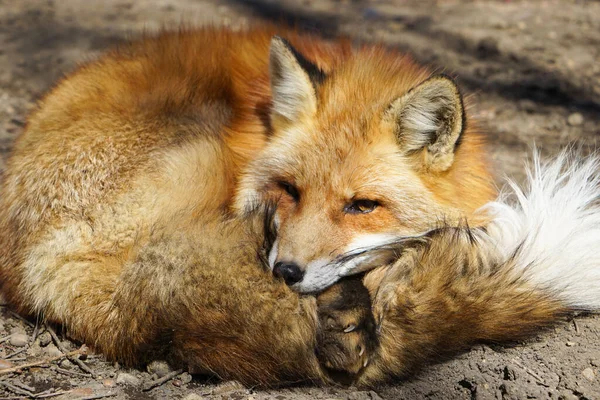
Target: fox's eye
x: 360, y: 207
x: 290, y: 189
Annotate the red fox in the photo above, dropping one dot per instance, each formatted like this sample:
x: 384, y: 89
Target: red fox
x: 156, y: 191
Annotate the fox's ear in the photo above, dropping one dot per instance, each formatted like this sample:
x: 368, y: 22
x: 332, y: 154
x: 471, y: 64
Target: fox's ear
x: 293, y: 82
x: 430, y: 118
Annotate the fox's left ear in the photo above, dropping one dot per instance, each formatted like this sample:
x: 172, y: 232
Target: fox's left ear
x: 430, y: 118
x: 294, y: 81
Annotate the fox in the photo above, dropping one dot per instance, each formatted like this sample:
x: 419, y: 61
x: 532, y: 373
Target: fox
x: 268, y: 206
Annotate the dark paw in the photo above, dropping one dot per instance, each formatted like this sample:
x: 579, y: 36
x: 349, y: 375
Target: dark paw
x: 347, y: 336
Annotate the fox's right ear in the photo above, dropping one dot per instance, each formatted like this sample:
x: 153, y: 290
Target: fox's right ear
x: 294, y: 80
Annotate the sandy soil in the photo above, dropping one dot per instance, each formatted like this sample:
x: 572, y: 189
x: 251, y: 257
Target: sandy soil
x: 532, y: 73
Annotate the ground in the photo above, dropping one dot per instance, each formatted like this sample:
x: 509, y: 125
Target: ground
x: 530, y: 71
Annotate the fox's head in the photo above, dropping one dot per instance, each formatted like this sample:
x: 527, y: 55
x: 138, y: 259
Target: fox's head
x: 370, y: 151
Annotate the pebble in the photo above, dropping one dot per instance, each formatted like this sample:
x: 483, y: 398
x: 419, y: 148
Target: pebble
x: 160, y: 368
x: 17, y: 329
x: 45, y: 339
x: 588, y: 374
x: 570, y: 344
x: 65, y: 364
x: 52, y: 351
x: 5, y: 364
x: 193, y: 396
x: 509, y: 373
x: 127, y: 379
x: 185, y: 378
x: 109, y: 383
x: 575, y: 119
x: 18, y: 339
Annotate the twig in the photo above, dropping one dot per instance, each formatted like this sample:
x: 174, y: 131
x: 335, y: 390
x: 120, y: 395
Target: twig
x: 530, y: 372
x: 76, y: 360
x: 576, y: 326
x: 99, y: 396
x: 162, y: 380
x: 15, y: 353
x: 36, y: 331
x: 81, y: 350
x: 70, y: 373
x: 24, y: 386
x: 16, y: 389
x: 45, y: 396
x: 5, y: 338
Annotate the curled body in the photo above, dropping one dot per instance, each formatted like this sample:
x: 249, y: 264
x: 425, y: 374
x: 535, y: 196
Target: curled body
x: 131, y: 209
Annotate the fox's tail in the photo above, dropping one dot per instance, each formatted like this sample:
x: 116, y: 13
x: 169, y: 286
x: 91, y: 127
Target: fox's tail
x: 549, y: 232
x: 536, y: 261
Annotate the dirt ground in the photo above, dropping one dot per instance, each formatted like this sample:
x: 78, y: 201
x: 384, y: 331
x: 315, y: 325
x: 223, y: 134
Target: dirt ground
x: 532, y: 73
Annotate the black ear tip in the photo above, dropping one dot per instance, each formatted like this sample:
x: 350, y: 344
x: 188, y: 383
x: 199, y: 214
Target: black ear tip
x: 447, y: 79
x: 277, y: 40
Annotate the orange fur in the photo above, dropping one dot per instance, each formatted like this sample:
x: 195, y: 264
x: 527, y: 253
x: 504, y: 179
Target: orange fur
x: 120, y: 207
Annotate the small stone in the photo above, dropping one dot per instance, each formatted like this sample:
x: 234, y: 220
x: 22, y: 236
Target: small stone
x: 509, y: 374
x: 570, y: 344
x: 588, y: 374
x: 192, y: 396
x: 185, y: 378
x: 4, y: 364
x: 160, y: 368
x: 18, y: 340
x: 109, y: 383
x: 35, y: 349
x: 17, y: 329
x: 52, y: 351
x: 575, y: 119
x: 45, y: 339
x: 65, y: 364
x: 127, y: 379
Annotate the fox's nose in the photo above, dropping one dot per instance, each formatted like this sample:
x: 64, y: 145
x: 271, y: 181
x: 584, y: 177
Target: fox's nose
x: 289, y: 271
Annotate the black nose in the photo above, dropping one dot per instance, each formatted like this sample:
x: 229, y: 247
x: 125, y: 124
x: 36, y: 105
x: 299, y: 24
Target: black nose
x: 289, y: 271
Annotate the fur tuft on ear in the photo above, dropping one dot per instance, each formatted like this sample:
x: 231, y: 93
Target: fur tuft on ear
x: 429, y: 117
x: 293, y: 82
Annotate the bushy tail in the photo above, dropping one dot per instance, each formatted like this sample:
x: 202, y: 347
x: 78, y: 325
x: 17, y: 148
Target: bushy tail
x: 549, y: 231
x: 537, y: 260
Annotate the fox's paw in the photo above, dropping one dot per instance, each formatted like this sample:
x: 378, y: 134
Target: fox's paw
x: 347, y: 335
